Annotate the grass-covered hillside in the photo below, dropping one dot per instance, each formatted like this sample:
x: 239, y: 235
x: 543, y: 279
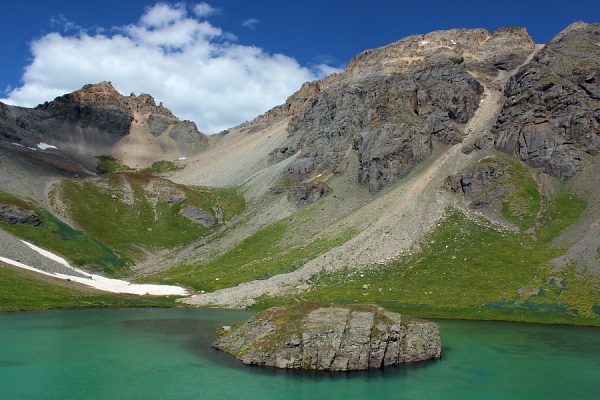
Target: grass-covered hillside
x: 58, y: 237
x: 135, y: 212
x: 25, y: 291
x: 468, y: 267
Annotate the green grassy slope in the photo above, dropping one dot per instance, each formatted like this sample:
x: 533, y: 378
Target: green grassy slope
x: 23, y: 291
x: 470, y: 268
x: 134, y: 212
x: 260, y: 256
x: 58, y: 237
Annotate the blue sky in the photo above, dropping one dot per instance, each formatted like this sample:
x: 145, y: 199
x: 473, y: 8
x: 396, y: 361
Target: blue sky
x: 222, y: 62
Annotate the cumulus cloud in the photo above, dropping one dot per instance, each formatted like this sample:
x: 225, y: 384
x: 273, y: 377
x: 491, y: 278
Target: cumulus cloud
x: 173, y: 53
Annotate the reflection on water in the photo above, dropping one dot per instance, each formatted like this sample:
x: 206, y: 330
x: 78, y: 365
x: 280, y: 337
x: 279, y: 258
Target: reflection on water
x: 166, y: 353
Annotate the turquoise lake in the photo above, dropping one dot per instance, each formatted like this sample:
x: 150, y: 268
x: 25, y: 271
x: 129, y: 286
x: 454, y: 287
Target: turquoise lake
x: 166, y: 354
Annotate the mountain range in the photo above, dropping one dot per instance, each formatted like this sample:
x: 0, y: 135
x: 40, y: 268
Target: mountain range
x: 453, y: 173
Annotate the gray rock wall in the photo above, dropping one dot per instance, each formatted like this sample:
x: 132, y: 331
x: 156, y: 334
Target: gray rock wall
x: 553, y: 109
x: 391, y: 102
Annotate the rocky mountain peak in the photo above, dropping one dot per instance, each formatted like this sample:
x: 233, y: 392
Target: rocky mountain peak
x: 97, y: 120
x: 401, y: 55
x: 391, y: 101
x: 102, y: 94
x: 475, y: 45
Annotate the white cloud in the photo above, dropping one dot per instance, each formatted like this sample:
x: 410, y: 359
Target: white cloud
x: 250, y: 23
x: 203, y: 10
x: 61, y: 21
x: 193, y: 67
x: 162, y: 14
x: 325, y: 70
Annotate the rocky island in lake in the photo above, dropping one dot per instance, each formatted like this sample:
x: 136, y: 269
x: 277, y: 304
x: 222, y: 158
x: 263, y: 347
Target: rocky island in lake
x: 331, y: 337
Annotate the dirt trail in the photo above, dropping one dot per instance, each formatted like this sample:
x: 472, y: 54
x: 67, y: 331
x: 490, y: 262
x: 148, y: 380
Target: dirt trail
x: 391, y: 225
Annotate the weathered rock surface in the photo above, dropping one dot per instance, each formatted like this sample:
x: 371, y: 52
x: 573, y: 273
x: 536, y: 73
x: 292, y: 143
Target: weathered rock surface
x: 480, y: 184
x: 201, y: 216
x: 331, y: 337
x: 97, y: 120
x: 14, y: 215
x: 307, y: 192
x: 392, y: 101
x: 553, y: 109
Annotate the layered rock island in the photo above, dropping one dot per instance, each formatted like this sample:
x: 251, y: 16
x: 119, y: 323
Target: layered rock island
x: 331, y: 337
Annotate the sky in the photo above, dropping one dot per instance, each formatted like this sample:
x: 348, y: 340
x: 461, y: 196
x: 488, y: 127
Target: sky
x: 219, y: 63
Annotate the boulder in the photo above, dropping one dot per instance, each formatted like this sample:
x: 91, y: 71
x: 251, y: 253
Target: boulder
x: 307, y: 192
x: 200, y: 216
x: 14, y: 215
x: 331, y: 337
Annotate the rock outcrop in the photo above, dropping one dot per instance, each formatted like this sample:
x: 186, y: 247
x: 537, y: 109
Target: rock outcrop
x: 482, y: 185
x: 331, y: 337
x: 553, y: 109
x: 14, y: 215
x: 307, y: 192
x: 391, y: 102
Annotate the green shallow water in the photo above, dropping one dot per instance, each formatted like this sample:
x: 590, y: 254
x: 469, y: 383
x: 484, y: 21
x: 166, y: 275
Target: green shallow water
x: 166, y: 354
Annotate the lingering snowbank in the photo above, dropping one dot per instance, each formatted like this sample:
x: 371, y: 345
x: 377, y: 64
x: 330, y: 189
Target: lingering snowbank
x: 45, y: 146
x: 97, y: 281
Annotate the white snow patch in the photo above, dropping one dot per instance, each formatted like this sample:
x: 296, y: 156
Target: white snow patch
x: 32, y: 148
x: 46, y: 146
x: 182, y: 158
x: 423, y: 43
x: 453, y: 41
x: 97, y: 281
x: 17, y: 144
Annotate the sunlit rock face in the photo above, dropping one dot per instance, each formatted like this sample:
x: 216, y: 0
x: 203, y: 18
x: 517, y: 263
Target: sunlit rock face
x: 391, y: 102
x: 552, y: 111
x: 331, y: 337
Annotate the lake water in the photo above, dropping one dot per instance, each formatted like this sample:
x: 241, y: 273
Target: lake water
x: 166, y: 354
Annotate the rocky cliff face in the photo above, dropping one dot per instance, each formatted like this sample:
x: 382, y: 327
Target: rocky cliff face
x: 97, y: 120
x: 552, y: 114
x: 331, y: 338
x: 391, y: 102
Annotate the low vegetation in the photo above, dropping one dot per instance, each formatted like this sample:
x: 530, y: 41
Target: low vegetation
x: 469, y: 268
x: 522, y: 204
x: 24, y: 291
x: 162, y: 166
x: 107, y: 164
x: 135, y: 212
x: 58, y: 237
x: 262, y: 255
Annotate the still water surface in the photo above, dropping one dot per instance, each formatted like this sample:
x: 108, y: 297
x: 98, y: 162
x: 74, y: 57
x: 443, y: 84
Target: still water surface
x: 166, y: 354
